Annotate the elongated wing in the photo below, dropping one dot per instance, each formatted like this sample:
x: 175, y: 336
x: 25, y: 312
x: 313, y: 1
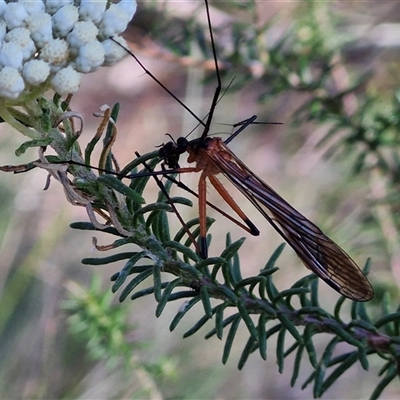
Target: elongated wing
x: 319, y: 253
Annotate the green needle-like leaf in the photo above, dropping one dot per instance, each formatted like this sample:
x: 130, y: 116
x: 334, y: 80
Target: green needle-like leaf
x: 296, y: 365
x: 262, y: 336
x: 166, y: 295
x: 114, y: 183
x: 132, y: 284
x: 249, y: 348
x: 182, y: 312
x: 205, y: 298
x: 280, y: 349
x: 392, y: 373
x: 230, y: 338
x: 309, y: 345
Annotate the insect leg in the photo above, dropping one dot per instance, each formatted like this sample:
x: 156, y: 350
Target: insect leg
x: 229, y: 200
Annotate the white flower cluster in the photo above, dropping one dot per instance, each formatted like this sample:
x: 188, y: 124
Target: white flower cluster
x: 53, y: 42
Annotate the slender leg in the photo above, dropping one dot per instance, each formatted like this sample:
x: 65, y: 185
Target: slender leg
x: 219, y: 187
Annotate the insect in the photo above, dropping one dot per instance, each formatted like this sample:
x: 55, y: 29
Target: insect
x: 211, y: 156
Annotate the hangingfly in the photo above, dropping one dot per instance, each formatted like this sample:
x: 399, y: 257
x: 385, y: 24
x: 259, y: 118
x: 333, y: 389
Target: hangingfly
x: 318, y: 253
x: 212, y: 156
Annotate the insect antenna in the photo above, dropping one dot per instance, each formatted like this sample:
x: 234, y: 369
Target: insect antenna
x: 170, y: 152
x: 218, y: 76
x: 243, y: 125
x: 148, y: 72
x: 216, y: 97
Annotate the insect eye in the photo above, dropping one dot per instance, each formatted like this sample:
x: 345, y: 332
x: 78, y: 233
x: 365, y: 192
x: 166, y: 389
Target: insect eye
x: 182, y: 142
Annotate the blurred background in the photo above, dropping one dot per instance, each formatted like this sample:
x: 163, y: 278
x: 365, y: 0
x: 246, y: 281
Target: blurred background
x: 273, y: 58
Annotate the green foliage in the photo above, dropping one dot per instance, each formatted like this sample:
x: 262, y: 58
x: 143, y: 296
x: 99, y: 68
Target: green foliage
x: 305, y: 61
x: 292, y: 312
x: 98, y: 323
x: 101, y: 326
